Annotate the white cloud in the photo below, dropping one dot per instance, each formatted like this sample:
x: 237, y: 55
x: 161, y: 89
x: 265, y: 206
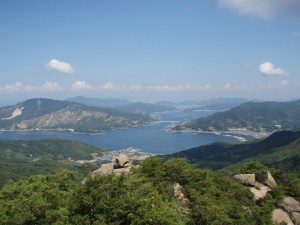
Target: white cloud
x: 296, y: 34
x: 281, y: 84
x: 51, y: 86
x: 263, y: 8
x: 108, y: 85
x: 16, y: 87
x: 268, y: 69
x: 227, y: 86
x: 135, y: 87
x: 59, y: 66
x: 284, y: 83
x: 180, y: 87
x: 82, y: 85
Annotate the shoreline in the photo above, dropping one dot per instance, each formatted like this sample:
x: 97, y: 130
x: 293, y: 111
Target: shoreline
x: 240, y: 134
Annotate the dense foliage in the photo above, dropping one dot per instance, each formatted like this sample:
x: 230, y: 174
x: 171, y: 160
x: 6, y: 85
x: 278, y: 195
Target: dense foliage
x: 280, y: 150
x: 20, y: 159
x: 144, y: 197
x: 252, y: 116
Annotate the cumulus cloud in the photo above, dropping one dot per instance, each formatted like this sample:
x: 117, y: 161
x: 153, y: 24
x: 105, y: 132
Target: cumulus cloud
x: 108, y: 85
x: 16, y: 87
x: 263, y: 8
x: 59, y: 66
x: 281, y: 84
x: 51, y: 86
x: 268, y: 69
x: 82, y: 85
x: 229, y: 86
x: 180, y: 87
x: 284, y: 83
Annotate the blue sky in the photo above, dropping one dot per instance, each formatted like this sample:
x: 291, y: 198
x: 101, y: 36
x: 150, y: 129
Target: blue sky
x: 150, y: 50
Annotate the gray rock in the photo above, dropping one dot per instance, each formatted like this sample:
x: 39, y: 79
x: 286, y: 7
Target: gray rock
x: 181, y: 197
x: 246, y: 179
x: 104, y: 169
x: 259, y: 191
x: 266, y: 178
x: 281, y: 217
x: 296, y: 218
x: 119, y: 166
x: 177, y: 191
x: 121, y: 161
x: 290, y: 205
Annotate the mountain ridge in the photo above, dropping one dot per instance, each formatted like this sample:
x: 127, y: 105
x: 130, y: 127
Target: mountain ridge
x: 254, y: 116
x: 48, y: 114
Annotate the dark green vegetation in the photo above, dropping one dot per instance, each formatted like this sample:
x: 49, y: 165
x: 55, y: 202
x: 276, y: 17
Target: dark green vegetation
x: 47, y: 114
x: 252, y: 116
x: 20, y: 159
x: 281, y: 150
x: 145, y: 197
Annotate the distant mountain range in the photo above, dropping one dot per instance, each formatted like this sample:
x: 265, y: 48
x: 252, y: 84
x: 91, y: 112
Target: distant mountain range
x: 206, y: 103
x: 47, y: 114
x: 254, y: 116
x: 281, y: 150
x: 110, y: 102
x: 123, y: 105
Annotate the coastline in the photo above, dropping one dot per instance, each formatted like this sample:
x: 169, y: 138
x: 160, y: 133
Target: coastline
x: 241, y: 134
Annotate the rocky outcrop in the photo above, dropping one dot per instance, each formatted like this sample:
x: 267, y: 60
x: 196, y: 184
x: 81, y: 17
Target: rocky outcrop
x: 281, y: 217
x: 263, y: 182
x: 290, y: 205
x: 266, y: 178
x: 246, y: 179
x: 260, y: 183
x: 296, y: 218
x: 259, y: 191
x: 178, y: 194
x: 122, y: 161
x: 120, y: 165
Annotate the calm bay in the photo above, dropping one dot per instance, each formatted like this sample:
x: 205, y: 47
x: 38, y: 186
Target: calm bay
x: 154, y: 138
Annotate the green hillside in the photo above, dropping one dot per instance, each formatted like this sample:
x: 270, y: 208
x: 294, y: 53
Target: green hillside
x: 20, y: 159
x: 265, y: 116
x: 48, y: 114
x: 145, y: 197
x: 281, y: 150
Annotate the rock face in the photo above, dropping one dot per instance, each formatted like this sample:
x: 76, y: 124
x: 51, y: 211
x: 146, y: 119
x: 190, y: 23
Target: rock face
x: 266, y: 178
x: 259, y: 191
x: 296, y: 218
x: 120, y: 165
x: 181, y: 197
x: 121, y: 161
x: 246, y: 179
x: 281, y: 217
x: 290, y: 205
x: 261, y: 183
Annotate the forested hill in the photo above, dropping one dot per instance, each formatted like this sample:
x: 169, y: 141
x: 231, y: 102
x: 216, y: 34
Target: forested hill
x: 281, y: 149
x: 269, y: 116
x: 48, y: 114
x: 158, y: 192
x: 20, y: 159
